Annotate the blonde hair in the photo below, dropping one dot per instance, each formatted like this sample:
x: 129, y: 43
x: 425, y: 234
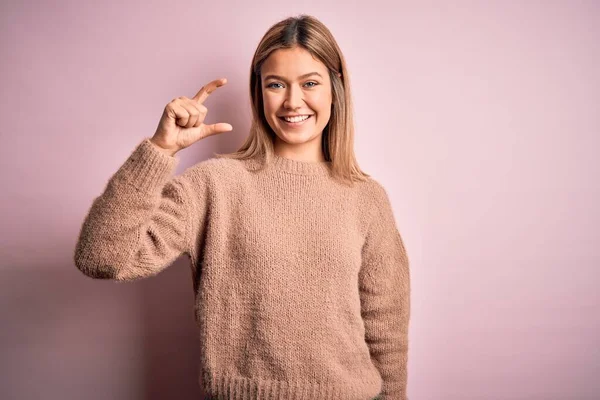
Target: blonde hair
x: 312, y: 35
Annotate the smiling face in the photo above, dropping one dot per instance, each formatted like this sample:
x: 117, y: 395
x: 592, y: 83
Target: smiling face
x: 296, y: 84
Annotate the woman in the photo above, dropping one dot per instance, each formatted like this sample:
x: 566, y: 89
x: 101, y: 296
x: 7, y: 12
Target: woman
x: 300, y: 275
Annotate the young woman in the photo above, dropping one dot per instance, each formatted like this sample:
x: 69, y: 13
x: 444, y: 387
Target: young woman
x: 300, y: 275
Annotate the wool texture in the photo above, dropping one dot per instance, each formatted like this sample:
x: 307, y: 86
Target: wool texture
x: 301, y: 283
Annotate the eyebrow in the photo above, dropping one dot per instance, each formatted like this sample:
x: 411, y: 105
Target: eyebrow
x: 281, y: 78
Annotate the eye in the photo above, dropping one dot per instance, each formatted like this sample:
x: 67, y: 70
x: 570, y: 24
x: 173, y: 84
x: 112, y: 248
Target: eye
x: 270, y: 85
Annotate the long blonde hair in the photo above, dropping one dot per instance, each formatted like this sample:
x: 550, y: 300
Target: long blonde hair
x: 312, y: 35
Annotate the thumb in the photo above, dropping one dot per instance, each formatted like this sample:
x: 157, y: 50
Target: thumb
x: 217, y: 128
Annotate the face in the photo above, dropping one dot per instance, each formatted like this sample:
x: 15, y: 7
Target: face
x: 295, y: 83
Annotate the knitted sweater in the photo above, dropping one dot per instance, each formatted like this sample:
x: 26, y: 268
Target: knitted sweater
x: 301, y: 283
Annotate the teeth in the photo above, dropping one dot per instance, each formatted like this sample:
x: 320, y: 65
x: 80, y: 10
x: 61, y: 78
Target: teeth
x: 296, y: 119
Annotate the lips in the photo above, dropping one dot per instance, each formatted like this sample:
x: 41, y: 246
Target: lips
x: 295, y: 115
x: 293, y: 124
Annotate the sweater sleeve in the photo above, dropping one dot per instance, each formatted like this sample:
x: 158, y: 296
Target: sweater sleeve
x: 384, y: 284
x: 141, y: 222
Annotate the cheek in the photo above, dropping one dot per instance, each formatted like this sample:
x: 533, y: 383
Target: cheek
x: 320, y: 100
x: 270, y: 104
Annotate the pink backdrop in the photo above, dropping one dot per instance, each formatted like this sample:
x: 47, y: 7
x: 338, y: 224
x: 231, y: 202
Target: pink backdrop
x: 481, y: 119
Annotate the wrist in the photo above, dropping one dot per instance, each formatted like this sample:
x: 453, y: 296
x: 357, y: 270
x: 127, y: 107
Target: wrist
x: 168, y: 152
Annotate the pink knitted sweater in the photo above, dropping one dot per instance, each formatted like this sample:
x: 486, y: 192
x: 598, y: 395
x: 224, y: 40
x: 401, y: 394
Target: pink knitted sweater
x: 302, y: 284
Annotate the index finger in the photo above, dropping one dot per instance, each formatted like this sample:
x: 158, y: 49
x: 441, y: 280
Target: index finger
x: 208, y: 89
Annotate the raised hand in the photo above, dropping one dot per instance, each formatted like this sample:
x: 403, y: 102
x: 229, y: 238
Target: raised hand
x: 182, y: 121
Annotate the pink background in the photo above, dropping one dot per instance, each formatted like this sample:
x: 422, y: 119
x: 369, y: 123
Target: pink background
x: 481, y: 119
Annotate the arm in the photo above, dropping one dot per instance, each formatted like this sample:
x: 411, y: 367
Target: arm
x: 142, y: 221
x: 384, y: 284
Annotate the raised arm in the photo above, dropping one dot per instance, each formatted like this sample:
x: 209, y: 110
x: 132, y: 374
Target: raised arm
x: 145, y: 219
x: 141, y: 222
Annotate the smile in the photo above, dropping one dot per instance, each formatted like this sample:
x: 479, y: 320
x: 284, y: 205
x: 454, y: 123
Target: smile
x: 295, y: 121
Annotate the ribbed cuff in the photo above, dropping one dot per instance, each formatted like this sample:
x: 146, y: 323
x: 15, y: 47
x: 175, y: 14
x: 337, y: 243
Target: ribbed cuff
x: 147, y: 168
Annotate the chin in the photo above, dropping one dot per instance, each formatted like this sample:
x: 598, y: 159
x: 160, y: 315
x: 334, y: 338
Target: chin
x: 300, y: 138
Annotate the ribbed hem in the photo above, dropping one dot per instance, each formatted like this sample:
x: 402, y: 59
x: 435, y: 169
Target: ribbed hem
x: 239, y: 387
x: 147, y: 167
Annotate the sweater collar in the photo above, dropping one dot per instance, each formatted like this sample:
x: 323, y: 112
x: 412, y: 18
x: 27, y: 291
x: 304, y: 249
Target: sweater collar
x: 300, y: 167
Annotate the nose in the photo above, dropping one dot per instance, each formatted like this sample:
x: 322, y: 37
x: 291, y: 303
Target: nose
x: 293, y: 98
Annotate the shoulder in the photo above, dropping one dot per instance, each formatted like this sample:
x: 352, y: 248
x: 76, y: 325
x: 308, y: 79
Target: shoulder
x: 219, y: 171
x: 373, y: 192
x: 375, y: 201
x: 217, y: 166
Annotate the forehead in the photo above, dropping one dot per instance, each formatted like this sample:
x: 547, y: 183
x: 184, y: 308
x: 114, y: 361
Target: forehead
x: 292, y: 63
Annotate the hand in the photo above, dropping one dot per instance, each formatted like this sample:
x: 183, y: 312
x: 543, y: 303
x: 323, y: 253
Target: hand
x: 182, y: 121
